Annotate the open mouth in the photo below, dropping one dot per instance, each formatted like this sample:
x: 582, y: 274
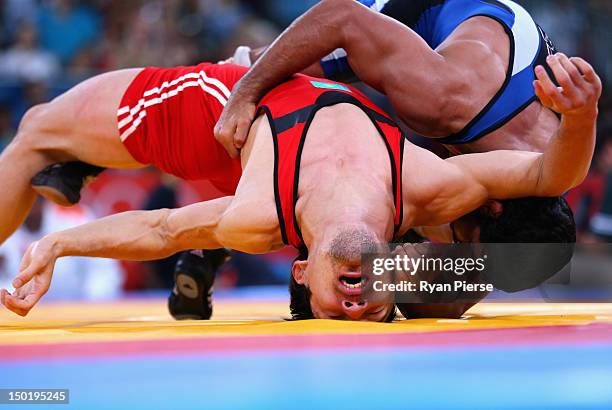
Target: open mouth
x: 349, y: 282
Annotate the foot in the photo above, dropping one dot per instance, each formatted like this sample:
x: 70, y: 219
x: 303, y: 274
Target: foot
x: 194, y: 276
x: 62, y: 183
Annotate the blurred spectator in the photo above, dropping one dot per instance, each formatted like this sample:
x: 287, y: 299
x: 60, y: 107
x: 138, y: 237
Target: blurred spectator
x: 565, y: 21
x: 153, y: 38
x: 24, y: 61
x: 32, y: 94
x: 6, y: 130
x: 74, y: 278
x: 14, y: 13
x: 601, y: 224
x: 282, y: 12
x: 65, y: 27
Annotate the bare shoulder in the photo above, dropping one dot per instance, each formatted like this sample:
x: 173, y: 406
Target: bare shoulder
x: 250, y: 223
x: 482, y: 35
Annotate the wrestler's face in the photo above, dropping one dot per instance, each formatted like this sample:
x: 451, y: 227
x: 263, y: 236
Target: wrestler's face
x: 336, y: 291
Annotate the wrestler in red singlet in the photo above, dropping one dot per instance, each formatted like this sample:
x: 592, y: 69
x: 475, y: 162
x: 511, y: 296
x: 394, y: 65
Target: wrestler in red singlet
x: 167, y: 118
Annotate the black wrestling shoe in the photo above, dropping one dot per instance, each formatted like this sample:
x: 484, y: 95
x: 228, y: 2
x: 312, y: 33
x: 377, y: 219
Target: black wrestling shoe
x: 62, y: 183
x: 194, y: 276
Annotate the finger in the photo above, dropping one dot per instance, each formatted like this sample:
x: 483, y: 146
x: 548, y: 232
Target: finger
x: 3, y: 294
x: 400, y: 250
x: 562, y: 76
x: 22, y: 292
x: 23, y: 306
x: 27, y: 257
x: 552, y: 92
x: 225, y: 136
x: 15, y: 305
x: 25, y: 276
x: 571, y: 70
x: 548, y: 86
x: 231, y: 149
x: 541, y: 94
x: 586, y: 69
x: 242, y: 132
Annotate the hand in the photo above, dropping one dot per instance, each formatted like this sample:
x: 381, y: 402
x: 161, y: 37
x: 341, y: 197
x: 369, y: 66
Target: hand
x: 229, y: 60
x: 233, y: 126
x: 580, y: 87
x: 413, y: 251
x: 33, y: 280
x: 242, y: 57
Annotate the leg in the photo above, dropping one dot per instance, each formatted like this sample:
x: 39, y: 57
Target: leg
x: 80, y: 125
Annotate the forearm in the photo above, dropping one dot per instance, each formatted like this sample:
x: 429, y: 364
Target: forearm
x: 314, y: 70
x: 134, y: 235
x: 312, y: 36
x: 145, y: 235
x: 568, y: 157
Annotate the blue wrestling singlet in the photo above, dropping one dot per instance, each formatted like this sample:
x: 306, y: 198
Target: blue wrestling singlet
x: 435, y: 21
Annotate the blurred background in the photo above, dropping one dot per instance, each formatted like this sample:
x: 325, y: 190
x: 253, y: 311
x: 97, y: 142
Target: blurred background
x: 47, y: 46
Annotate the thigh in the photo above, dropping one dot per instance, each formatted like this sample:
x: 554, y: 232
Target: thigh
x: 81, y: 124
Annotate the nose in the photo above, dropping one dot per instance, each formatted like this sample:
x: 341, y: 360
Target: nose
x: 354, y: 310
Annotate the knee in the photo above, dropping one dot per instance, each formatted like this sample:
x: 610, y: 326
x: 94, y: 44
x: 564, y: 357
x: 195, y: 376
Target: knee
x: 33, y: 118
x: 30, y: 127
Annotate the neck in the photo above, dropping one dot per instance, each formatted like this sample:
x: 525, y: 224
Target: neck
x: 319, y: 215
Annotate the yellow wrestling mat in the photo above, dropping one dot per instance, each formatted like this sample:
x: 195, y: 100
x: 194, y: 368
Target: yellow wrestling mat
x: 131, y: 354
x: 149, y: 320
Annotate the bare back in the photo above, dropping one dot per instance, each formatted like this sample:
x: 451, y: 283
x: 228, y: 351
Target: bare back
x: 484, y: 41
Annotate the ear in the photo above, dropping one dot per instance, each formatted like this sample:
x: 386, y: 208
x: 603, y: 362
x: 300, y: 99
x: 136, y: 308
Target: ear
x: 298, y: 271
x: 492, y: 209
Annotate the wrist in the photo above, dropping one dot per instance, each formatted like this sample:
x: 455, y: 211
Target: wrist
x: 250, y: 87
x: 241, y: 93
x: 56, y: 244
x: 589, y: 115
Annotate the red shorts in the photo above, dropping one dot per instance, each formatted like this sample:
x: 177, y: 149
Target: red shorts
x: 167, y: 117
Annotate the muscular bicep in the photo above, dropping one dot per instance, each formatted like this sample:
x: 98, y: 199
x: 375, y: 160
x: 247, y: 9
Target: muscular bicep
x: 503, y: 174
x: 197, y: 226
x: 243, y: 225
x: 382, y: 51
x: 432, y: 90
x: 436, y: 191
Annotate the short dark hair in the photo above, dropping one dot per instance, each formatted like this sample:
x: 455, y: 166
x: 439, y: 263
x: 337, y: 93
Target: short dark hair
x: 546, y: 224
x: 300, y: 301
x: 531, y: 220
x: 300, y: 297
x: 300, y: 294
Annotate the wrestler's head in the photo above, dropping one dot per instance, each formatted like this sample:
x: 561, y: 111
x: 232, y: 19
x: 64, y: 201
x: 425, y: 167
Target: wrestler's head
x: 545, y: 225
x: 526, y: 220
x: 326, y: 281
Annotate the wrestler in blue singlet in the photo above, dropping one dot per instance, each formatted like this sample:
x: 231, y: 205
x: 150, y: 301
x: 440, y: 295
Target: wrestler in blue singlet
x: 435, y: 21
